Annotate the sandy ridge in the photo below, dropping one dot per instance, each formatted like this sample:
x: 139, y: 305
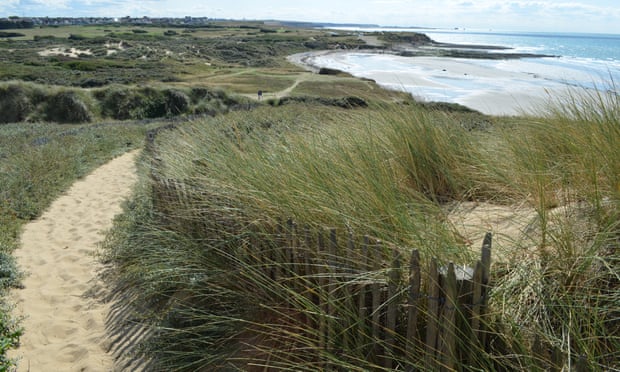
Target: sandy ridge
x: 61, y: 299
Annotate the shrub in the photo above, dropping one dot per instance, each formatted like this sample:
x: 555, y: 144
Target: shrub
x: 177, y: 102
x: 15, y: 105
x: 123, y: 103
x: 329, y: 71
x: 150, y: 104
x: 198, y: 94
x: 77, y: 37
x: 67, y: 107
x: 11, y: 34
x: 118, y: 102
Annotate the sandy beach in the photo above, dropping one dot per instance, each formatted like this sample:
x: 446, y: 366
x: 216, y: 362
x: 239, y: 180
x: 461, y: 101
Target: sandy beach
x: 62, y: 299
x: 495, y: 87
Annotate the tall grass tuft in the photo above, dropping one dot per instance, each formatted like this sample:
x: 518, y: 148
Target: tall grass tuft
x: 323, y: 168
x: 564, y: 291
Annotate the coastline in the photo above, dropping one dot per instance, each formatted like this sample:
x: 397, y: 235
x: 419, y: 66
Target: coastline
x: 483, y: 85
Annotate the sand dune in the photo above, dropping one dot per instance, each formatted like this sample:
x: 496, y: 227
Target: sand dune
x: 62, y: 296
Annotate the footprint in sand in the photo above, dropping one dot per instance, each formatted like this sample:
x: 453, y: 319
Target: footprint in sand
x: 64, y: 328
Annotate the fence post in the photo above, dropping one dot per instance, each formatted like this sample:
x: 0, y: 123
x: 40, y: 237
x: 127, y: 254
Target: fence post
x: 348, y: 336
x: 486, y: 272
x: 430, y: 361
x: 448, y: 320
x: 323, y: 295
x: 309, y: 280
x: 291, y: 252
x: 278, y: 253
x: 362, y: 308
x: 332, y: 296
x: 376, y: 299
x: 477, y: 301
x: 392, y: 310
x: 412, y: 303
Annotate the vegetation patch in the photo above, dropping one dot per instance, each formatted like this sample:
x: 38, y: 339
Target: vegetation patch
x: 10, y: 34
x: 343, y: 102
x: 29, y: 102
x: 67, y: 107
x: 193, y: 245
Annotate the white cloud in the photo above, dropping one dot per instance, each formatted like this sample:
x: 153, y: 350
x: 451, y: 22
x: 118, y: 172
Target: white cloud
x: 8, y: 6
x: 54, y: 4
x: 551, y: 15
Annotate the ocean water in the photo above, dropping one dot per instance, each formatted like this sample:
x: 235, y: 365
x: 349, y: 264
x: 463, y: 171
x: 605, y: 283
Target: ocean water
x: 596, y: 55
x: 581, y: 61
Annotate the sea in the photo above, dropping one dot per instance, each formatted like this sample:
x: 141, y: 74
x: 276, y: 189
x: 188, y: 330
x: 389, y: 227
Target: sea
x: 579, y: 60
x: 596, y: 55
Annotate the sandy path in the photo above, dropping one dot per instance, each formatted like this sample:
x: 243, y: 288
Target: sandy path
x: 65, y: 321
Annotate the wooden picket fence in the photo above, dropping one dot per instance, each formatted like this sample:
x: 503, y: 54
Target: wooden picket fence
x: 367, y: 301
x: 371, y: 304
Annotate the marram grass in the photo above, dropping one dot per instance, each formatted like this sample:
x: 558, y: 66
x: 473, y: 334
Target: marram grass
x: 385, y: 172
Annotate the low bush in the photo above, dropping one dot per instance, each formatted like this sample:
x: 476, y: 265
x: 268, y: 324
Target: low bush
x: 67, y: 107
x: 77, y: 37
x: 342, y: 102
x: 176, y: 101
x: 21, y: 102
x: 15, y: 103
x: 11, y: 34
x: 118, y: 102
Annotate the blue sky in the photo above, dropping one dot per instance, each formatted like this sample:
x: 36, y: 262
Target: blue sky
x: 532, y: 15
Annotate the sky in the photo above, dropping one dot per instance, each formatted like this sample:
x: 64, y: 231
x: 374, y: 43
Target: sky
x: 599, y: 16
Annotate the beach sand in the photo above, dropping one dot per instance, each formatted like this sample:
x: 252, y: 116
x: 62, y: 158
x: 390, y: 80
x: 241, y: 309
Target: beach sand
x: 62, y: 299
x: 494, y: 87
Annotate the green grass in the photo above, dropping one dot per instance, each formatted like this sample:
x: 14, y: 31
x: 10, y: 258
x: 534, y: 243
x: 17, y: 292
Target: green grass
x: 331, y: 86
x: 250, y: 81
x: 152, y: 56
x: 386, y: 171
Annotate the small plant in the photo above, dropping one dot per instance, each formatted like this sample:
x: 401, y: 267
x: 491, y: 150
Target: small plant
x: 10, y: 332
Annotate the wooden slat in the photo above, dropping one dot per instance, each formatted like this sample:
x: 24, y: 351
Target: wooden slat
x: 485, y: 259
x: 333, y: 303
x: 433, y: 320
x: 376, y: 298
x: 413, y: 303
x: 291, y: 252
x: 322, y: 291
x: 392, y: 311
x: 361, y: 307
x: 348, y: 293
x: 477, y: 301
x: 448, y: 322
